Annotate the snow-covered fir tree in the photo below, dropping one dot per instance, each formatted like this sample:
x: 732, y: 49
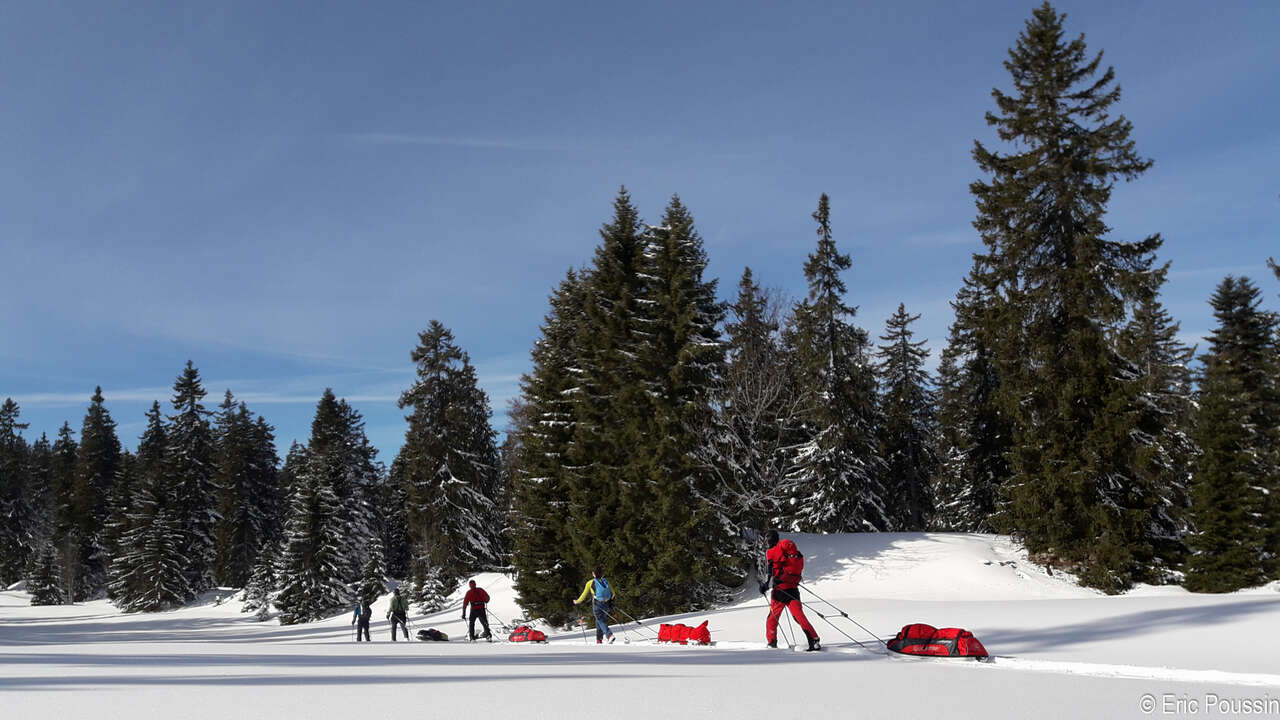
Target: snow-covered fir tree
x: 1237, y: 427
x: 262, y: 583
x: 837, y: 470
x: 760, y: 413
x: 373, y: 581
x: 65, y: 535
x: 339, y: 451
x: 974, y: 432
x: 908, y: 434
x: 150, y: 573
x: 45, y: 582
x: 248, y: 501
x: 543, y: 423
x: 17, y: 516
x: 450, y: 469
x: 1077, y: 492
x: 97, y: 464
x: 192, y: 461
x: 1160, y: 367
x: 311, y: 571
x: 688, y: 542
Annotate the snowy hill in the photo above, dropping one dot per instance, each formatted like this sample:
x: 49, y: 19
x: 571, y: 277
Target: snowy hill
x: 1063, y: 651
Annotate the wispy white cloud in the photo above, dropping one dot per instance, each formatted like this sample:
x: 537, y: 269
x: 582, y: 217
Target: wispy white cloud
x: 383, y: 138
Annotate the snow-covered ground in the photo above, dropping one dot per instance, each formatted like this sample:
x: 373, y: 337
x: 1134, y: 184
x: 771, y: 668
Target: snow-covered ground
x: 1062, y: 651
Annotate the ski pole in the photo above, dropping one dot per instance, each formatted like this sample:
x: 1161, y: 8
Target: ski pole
x: 837, y: 628
x: 843, y: 613
x: 632, y: 619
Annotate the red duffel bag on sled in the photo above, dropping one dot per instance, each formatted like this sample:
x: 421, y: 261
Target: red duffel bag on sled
x: 524, y: 633
x: 683, y: 634
x: 927, y: 640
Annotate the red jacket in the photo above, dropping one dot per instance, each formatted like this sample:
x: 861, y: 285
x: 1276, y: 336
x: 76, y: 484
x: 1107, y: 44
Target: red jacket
x: 476, y: 599
x: 786, y: 564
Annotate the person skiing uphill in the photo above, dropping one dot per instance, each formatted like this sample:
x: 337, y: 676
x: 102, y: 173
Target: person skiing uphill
x: 476, y: 599
x: 398, y: 615
x: 602, y: 602
x: 785, y: 567
x: 363, y: 613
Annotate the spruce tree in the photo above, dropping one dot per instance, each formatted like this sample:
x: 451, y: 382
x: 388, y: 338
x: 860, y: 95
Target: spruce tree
x: 760, y: 410
x: 837, y: 470
x: 45, y: 583
x: 1160, y: 368
x: 40, y: 490
x: 609, y: 407
x: 690, y: 556
x: 974, y: 432
x: 1237, y: 427
x: 373, y: 582
x: 17, y: 515
x: 1062, y: 287
x: 192, y: 459
x: 66, y: 535
x: 262, y: 584
x: 150, y: 572
x: 312, y: 586
x: 340, y: 452
x: 248, y: 502
x: 546, y: 570
x: 450, y: 465
x: 97, y: 464
x: 393, y: 520
x: 908, y: 435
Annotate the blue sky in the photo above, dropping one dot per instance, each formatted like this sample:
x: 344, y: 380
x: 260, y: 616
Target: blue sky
x: 286, y: 193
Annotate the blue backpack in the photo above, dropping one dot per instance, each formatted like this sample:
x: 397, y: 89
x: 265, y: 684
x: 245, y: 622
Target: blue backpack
x: 601, y: 589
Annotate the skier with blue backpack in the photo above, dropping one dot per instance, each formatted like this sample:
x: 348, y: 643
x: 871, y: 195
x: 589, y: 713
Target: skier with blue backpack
x: 602, y: 603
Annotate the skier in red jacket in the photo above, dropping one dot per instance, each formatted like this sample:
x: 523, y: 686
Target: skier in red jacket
x: 476, y: 599
x: 785, y: 567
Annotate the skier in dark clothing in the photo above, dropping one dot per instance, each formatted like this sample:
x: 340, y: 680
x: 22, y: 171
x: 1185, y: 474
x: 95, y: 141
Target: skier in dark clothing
x: 476, y: 599
x: 363, y: 613
x: 785, y: 564
x: 398, y: 614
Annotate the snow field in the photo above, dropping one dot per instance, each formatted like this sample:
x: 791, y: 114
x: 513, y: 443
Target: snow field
x: 1062, y: 651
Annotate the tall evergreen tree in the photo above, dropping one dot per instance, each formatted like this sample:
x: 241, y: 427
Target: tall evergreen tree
x: 838, y: 471
x: 691, y: 553
x: 760, y: 410
x: 262, y: 584
x: 312, y: 568
x: 393, y: 519
x: 150, y: 574
x: 1063, y: 287
x: 974, y: 432
x: 340, y: 451
x: 609, y: 402
x: 248, y: 502
x: 1160, y: 369
x: 908, y: 435
x: 45, y: 584
x: 17, y: 515
x: 192, y: 461
x: 373, y: 582
x: 450, y: 463
x: 546, y: 570
x: 66, y: 535
x: 1237, y: 426
x: 97, y: 465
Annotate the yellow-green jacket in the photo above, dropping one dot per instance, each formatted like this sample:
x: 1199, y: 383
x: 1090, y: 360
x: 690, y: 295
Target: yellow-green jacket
x: 597, y: 588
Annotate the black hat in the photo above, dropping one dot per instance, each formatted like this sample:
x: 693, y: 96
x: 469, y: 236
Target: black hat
x: 771, y: 537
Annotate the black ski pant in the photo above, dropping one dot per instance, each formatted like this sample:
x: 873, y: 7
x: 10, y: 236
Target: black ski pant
x: 362, y: 628
x: 399, y: 620
x: 478, y: 613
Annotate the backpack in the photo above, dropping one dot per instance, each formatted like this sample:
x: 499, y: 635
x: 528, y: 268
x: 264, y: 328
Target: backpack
x: 524, y: 633
x: 433, y: 635
x: 791, y: 568
x: 600, y: 588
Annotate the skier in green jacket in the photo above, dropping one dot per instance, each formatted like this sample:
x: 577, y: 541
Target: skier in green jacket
x: 398, y: 614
